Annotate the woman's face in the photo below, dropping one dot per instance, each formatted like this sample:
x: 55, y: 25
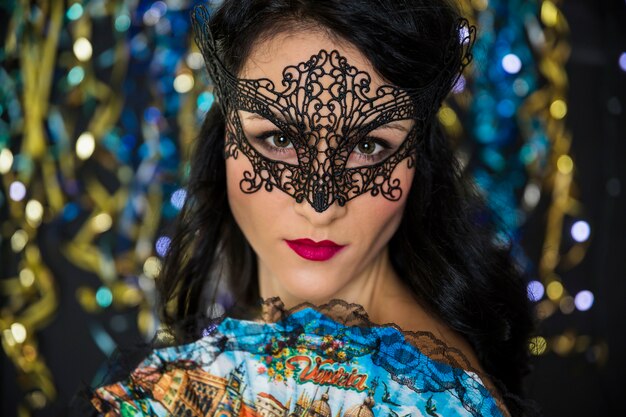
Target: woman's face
x: 274, y: 222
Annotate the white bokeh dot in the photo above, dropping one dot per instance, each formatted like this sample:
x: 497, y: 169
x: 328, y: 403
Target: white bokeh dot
x: 17, y: 191
x: 580, y: 231
x: 535, y: 290
x: 583, y: 300
x: 511, y: 63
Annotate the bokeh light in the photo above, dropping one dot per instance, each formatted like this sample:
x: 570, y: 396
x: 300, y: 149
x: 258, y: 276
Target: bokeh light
x: 6, y: 160
x: 447, y: 116
x: 532, y: 194
x: 584, y: 300
x: 178, y: 198
x: 521, y: 87
x: 104, y: 297
x: 75, y: 11
x: 183, y: 83
x: 580, y: 231
x: 162, y: 245
x: 122, y: 23
x: 549, y: 13
x: 76, y: 75
x: 563, y: 344
x: 27, y: 277
x: 101, y: 223
x: 85, y: 145
x: 83, y: 49
x: 151, y: 17
x: 558, y: 109
x: 480, y: 5
x: 152, y: 267
x: 34, y: 212
x: 565, y: 164
x: 19, y: 332
x: 535, y: 290
x: 205, y: 101
x: 17, y: 191
x: 19, y: 240
x: 511, y: 63
x: 194, y: 60
x: 152, y: 115
x: 554, y: 290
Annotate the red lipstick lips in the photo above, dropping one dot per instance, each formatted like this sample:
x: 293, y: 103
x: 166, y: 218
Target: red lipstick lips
x: 314, y: 251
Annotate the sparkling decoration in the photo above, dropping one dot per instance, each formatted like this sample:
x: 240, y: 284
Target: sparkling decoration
x: 516, y: 121
x: 93, y: 128
x: 98, y: 103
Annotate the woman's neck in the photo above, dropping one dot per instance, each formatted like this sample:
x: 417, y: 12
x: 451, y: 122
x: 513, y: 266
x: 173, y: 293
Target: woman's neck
x: 376, y: 287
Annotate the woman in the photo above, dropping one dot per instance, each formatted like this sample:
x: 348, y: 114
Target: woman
x: 322, y: 174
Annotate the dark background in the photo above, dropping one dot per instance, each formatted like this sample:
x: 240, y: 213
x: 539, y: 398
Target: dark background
x: 577, y: 385
x: 572, y: 386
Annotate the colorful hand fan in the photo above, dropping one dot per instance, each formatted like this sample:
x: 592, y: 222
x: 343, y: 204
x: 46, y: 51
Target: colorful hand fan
x: 309, y: 361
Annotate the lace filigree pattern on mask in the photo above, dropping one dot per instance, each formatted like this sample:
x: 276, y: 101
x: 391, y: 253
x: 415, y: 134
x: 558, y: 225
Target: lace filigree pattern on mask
x: 325, y: 108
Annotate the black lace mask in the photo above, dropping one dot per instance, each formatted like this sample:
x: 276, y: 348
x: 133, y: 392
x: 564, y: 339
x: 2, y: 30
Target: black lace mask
x: 323, y: 111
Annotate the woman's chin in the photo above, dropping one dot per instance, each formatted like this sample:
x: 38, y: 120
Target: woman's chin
x: 310, y: 288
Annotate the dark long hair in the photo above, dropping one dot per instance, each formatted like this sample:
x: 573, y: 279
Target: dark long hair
x: 444, y: 248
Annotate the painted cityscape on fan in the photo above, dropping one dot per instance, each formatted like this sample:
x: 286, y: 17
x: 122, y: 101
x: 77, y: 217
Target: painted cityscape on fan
x: 317, y: 368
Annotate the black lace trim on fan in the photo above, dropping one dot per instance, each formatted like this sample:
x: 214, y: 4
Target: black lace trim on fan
x: 272, y: 310
x: 354, y: 314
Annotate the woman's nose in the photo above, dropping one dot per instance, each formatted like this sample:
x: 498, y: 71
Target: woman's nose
x: 332, y: 212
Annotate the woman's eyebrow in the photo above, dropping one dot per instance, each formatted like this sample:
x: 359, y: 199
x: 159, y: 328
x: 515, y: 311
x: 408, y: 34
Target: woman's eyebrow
x: 394, y: 126
x: 391, y: 126
x: 256, y: 116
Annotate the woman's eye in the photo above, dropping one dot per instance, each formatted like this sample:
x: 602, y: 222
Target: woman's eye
x: 370, y: 150
x: 275, y: 145
x: 279, y: 140
x: 367, y: 146
x: 275, y: 142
